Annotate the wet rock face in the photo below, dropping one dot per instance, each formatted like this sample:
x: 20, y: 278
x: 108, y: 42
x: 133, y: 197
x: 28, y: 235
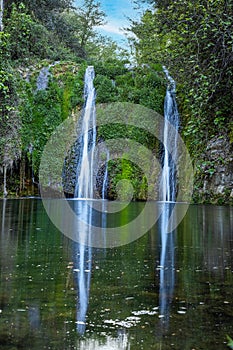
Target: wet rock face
x: 217, y: 171
x: 70, y: 169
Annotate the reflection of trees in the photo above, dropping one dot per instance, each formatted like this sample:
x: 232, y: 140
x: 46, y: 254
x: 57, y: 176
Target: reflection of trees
x: 33, y: 261
x: 217, y: 245
x: 205, y: 244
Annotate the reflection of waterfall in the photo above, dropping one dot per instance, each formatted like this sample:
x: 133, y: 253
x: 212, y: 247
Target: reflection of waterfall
x: 168, y: 195
x: 84, y: 183
x: 3, y: 216
x: 122, y: 342
x: 167, y: 268
x: 82, y: 270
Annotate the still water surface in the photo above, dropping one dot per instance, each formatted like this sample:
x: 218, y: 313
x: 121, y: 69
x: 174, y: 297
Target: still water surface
x: 149, y: 294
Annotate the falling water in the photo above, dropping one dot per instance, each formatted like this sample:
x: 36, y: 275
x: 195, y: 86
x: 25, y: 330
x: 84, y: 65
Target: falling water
x: 168, y: 197
x: 84, y: 183
x: 105, y: 180
x: 168, y: 180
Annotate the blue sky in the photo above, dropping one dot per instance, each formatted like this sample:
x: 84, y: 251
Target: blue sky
x: 117, y: 12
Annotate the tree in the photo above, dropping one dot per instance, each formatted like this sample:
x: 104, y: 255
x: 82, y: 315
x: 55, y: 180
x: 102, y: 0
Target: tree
x: 43, y: 10
x: 76, y: 28
x: 9, y: 118
x: 90, y: 16
x: 26, y: 37
x: 194, y: 40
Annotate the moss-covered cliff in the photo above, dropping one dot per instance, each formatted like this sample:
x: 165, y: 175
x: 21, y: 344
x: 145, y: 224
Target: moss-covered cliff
x: 44, y: 53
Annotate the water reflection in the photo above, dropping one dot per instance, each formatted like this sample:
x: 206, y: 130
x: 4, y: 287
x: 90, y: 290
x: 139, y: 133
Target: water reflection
x: 82, y: 264
x: 167, y: 266
x: 3, y: 215
x: 34, y: 317
x: 38, y: 306
x: 120, y: 343
x: 82, y: 256
x: 214, y: 244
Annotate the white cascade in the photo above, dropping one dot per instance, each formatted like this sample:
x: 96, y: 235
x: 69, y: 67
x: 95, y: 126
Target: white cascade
x: 105, y: 180
x: 84, y: 183
x: 171, y: 115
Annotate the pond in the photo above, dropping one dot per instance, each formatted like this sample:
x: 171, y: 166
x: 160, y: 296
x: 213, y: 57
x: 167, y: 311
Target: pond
x: 148, y: 294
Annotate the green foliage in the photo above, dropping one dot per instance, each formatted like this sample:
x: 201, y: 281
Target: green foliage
x: 34, y: 31
x: 42, y: 10
x: 230, y: 342
x: 126, y: 180
x: 75, y: 28
x: 106, y: 89
x: 55, y: 29
x: 9, y: 122
x: 26, y: 37
x: 90, y: 15
x: 111, y: 68
x: 103, y: 49
x: 141, y: 85
x: 194, y: 39
x: 42, y: 111
x: 6, y: 76
x: 19, y: 27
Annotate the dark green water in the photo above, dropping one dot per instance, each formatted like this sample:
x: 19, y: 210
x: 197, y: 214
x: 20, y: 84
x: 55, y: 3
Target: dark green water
x: 133, y: 303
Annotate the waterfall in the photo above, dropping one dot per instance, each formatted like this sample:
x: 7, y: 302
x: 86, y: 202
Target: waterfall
x: 168, y: 179
x: 1, y: 15
x: 84, y: 182
x: 168, y: 197
x: 105, y: 180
